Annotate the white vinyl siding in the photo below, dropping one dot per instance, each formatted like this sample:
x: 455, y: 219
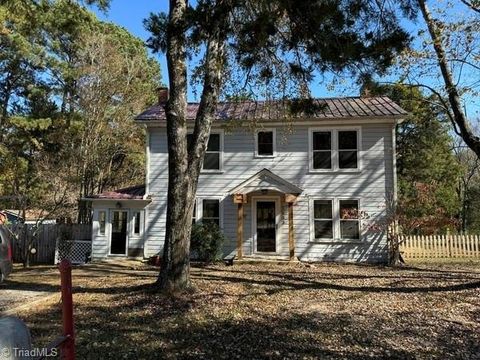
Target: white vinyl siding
x: 373, y: 184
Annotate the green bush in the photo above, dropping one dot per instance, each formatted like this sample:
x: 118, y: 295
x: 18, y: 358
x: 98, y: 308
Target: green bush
x: 206, y: 242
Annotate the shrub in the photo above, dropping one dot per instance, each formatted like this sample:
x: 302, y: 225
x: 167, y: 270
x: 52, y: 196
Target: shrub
x: 206, y: 241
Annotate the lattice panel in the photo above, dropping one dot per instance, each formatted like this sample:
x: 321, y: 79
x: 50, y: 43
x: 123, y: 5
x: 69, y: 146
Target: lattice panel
x: 76, y: 251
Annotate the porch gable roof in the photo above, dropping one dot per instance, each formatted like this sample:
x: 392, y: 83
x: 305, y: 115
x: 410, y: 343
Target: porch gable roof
x: 265, y: 179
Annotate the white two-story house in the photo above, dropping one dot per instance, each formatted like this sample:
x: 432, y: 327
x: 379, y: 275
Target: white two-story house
x: 311, y: 187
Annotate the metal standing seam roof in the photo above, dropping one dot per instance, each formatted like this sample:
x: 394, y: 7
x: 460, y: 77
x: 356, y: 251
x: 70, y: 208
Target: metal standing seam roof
x: 327, y: 108
x: 130, y: 193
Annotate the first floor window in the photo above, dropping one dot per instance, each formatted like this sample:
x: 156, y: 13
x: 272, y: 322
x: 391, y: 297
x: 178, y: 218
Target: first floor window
x: 136, y: 222
x: 323, y: 219
x: 194, y: 215
x: 211, y: 211
x: 349, y: 219
x: 102, y: 221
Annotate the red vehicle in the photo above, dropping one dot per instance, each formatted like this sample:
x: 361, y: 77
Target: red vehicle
x: 6, y: 256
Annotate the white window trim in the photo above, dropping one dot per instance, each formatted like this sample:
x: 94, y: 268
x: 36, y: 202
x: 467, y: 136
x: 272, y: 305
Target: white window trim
x: 336, y: 221
x: 142, y: 221
x: 274, y: 139
x: 335, y: 159
x: 359, y: 219
x: 200, y: 208
x: 312, y: 220
x: 220, y: 170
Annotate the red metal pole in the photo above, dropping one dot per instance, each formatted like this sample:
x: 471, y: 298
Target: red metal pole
x: 68, y: 347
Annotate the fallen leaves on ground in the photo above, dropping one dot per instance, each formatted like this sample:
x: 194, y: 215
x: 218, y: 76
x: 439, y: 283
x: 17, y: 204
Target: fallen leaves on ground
x: 258, y: 311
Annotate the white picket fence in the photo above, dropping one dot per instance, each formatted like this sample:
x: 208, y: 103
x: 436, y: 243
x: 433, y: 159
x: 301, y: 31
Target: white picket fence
x: 440, y: 246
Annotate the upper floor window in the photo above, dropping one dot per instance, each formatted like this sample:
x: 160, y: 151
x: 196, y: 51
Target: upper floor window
x: 334, y: 149
x: 214, y: 153
x: 322, y: 150
x: 265, y: 143
x: 348, y: 149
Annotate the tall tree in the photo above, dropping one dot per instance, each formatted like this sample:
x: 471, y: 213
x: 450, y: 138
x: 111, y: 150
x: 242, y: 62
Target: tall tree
x: 69, y: 88
x: 452, y: 43
x: 428, y: 172
x: 279, y: 43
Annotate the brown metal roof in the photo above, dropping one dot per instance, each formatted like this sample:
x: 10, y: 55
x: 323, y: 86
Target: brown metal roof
x: 328, y: 108
x: 130, y: 193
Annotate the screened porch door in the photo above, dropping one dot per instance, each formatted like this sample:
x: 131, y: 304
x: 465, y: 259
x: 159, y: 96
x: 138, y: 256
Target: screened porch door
x: 266, y: 226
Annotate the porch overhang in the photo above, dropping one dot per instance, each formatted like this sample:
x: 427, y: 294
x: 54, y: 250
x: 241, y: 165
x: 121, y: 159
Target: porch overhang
x: 265, y: 180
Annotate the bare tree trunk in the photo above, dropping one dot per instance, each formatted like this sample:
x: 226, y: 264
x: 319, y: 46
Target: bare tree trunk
x: 184, y: 164
x: 458, y: 116
x: 175, y: 271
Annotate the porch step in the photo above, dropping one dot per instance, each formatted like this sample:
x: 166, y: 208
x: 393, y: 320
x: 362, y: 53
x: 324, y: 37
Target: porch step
x: 266, y: 260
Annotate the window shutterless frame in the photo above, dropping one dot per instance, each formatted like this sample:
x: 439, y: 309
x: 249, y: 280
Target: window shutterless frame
x: 199, y: 208
x: 218, y: 152
x: 337, y: 238
x: 335, y: 167
x: 258, y: 147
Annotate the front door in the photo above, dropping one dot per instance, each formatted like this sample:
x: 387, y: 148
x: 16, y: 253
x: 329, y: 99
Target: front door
x: 266, y: 226
x: 118, y: 244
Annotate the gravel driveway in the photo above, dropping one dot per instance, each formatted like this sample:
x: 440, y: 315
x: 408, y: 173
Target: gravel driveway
x: 19, y: 291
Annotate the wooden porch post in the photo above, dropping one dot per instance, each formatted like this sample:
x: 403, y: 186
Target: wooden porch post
x: 290, y: 199
x: 240, y: 230
x: 291, y: 238
x: 239, y: 199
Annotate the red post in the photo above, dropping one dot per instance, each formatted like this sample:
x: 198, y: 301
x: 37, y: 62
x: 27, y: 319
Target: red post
x: 68, y: 347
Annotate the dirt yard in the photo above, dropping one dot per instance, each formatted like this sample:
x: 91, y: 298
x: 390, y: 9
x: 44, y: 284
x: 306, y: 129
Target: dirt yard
x: 268, y: 311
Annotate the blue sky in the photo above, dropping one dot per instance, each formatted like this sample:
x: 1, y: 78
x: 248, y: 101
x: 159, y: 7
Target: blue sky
x: 130, y: 14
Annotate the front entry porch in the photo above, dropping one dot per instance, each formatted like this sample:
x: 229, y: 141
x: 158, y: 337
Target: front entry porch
x: 267, y: 197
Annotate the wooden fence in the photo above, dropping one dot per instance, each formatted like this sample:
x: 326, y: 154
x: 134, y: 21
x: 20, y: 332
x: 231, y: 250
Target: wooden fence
x: 44, y: 238
x: 440, y: 246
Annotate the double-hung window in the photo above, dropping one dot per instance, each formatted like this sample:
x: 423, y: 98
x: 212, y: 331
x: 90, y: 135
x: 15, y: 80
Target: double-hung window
x: 349, y: 219
x: 265, y: 143
x: 323, y: 219
x: 212, y: 162
x: 335, y: 219
x: 334, y: 149
x: 347, y: 149
x: 322, y: 150
x: 211, y: 211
